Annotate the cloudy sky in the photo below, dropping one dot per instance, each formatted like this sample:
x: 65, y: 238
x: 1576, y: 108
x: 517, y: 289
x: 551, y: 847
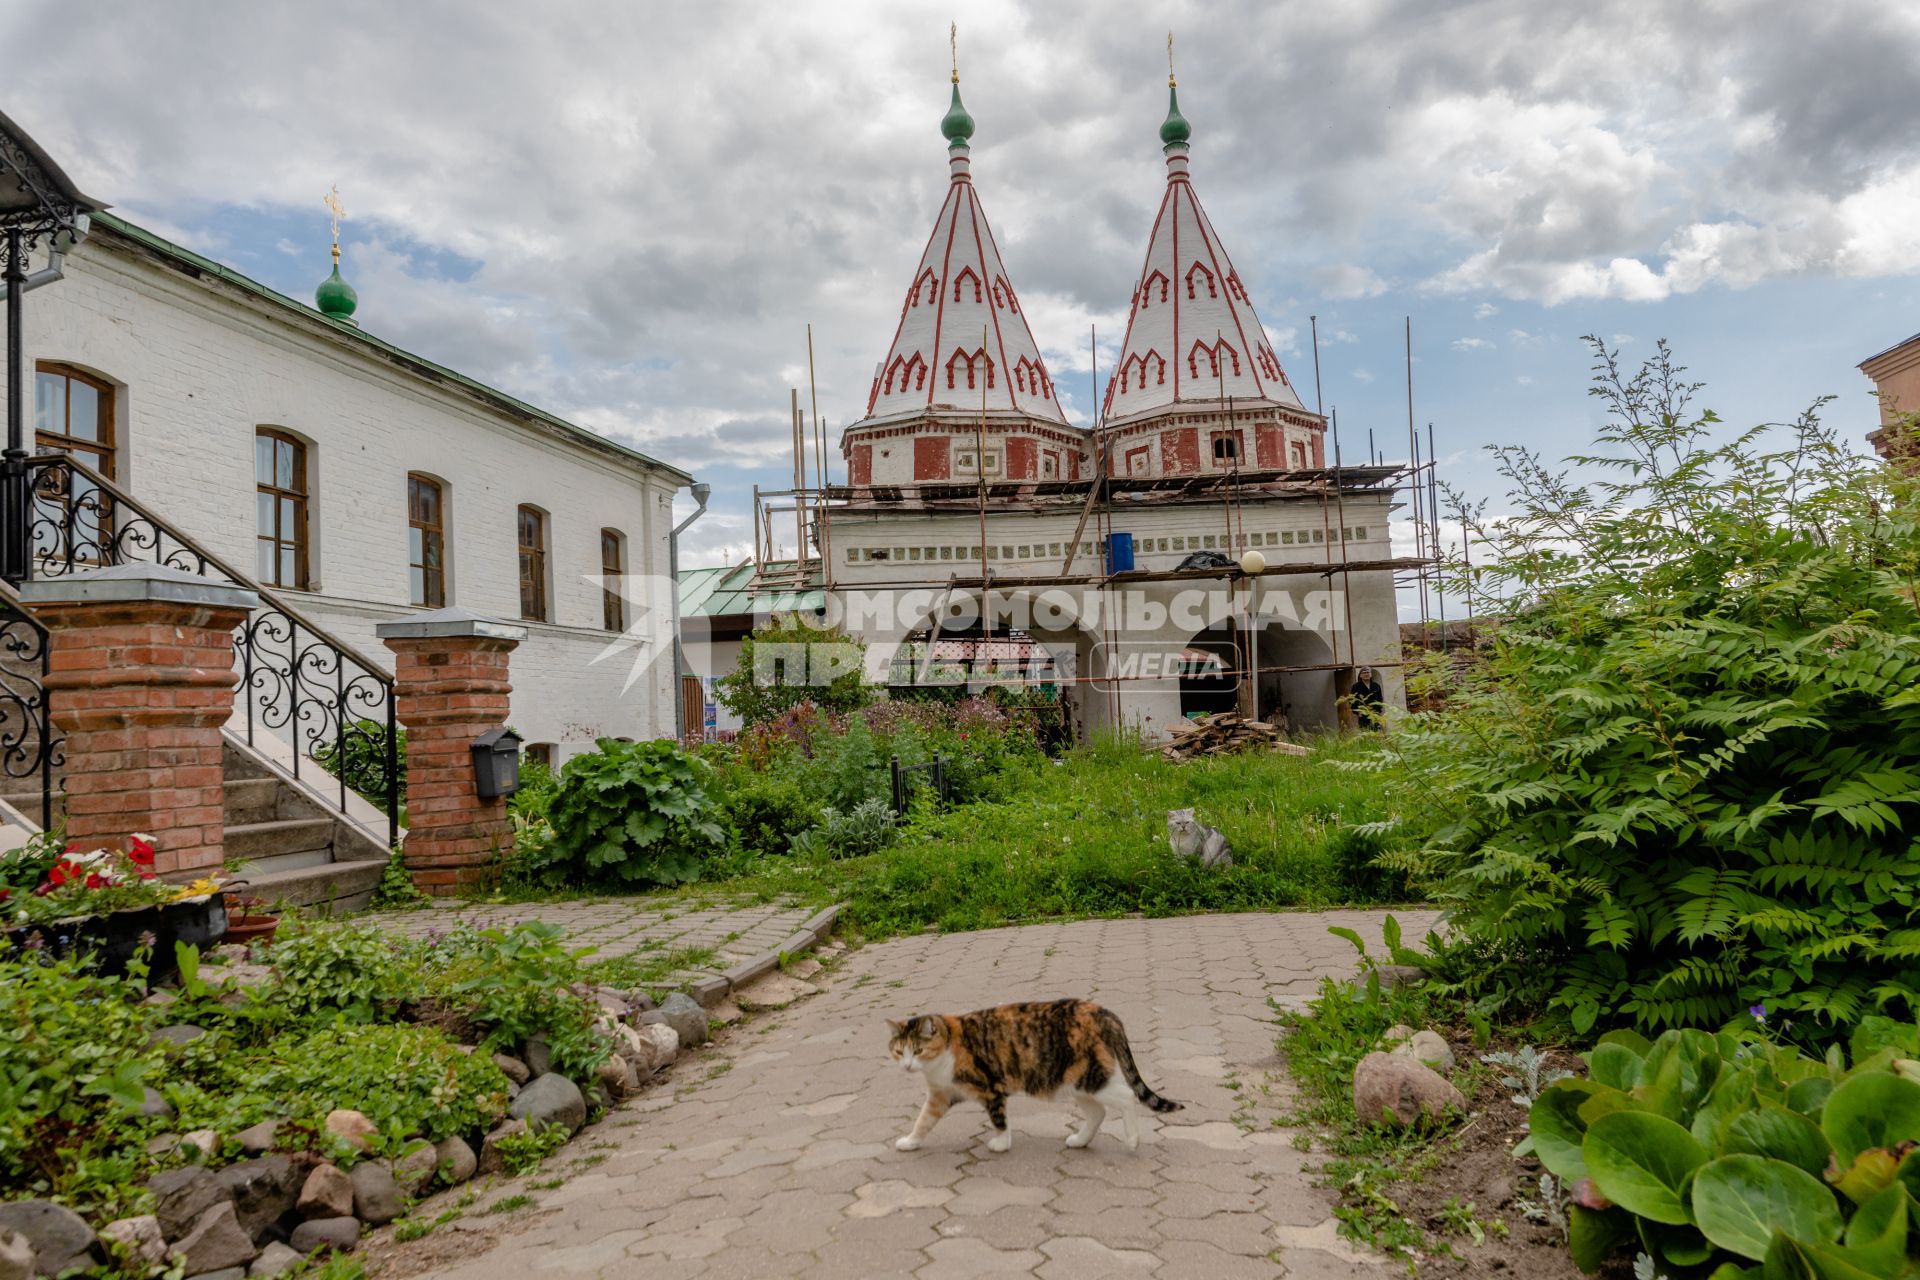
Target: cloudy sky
x: 629, y: 212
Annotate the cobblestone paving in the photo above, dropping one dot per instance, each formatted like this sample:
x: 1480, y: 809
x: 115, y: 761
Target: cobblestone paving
x: 619, y: 927
x: 781, y: 1162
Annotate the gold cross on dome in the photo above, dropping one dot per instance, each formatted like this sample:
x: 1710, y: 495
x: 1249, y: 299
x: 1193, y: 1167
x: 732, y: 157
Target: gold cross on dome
x: 335, y: 211
x: 1170, y: 83
x: 953, y: 43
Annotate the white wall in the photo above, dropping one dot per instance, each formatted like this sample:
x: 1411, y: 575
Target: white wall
x: 1353, y: 614
x: 200, y: 365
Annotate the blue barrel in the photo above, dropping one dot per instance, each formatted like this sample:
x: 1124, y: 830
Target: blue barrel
x: 1119, y: 552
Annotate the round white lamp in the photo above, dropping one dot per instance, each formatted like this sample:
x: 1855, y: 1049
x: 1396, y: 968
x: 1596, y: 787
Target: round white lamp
x: 1252, y: 563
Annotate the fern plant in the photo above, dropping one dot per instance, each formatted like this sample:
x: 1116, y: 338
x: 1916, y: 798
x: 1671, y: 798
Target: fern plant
x: 1685, y: 783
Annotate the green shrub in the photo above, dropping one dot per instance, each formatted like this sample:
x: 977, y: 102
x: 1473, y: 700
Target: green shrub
x: 349, y: 971
x: 407, y: 1079
x: 360, y: 759
x: 791, y: 661
x: 538, y: 785
x: 631, y: 813
x: 74, y: 1057
x: 519, y: 983
x: 867, y: 828
x: 1726, y: 1154
x: 766, y: 813
x: 1686, y: 779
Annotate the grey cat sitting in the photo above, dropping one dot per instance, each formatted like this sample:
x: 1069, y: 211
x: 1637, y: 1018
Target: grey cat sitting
x: 1194, y: 839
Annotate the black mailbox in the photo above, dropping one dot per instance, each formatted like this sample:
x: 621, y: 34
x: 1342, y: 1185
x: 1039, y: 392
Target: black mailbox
x: 496, y: 764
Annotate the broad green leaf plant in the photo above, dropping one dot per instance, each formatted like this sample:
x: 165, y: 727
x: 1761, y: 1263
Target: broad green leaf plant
x: 1729, y: 1157
x: 630, y: 813
x: 1685, y: 781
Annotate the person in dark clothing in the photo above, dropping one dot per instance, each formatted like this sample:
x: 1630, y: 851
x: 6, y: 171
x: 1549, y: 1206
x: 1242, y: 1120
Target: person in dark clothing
x: 1366, y: 700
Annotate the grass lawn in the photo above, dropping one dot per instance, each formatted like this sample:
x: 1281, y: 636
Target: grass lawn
x: 1086, y: 836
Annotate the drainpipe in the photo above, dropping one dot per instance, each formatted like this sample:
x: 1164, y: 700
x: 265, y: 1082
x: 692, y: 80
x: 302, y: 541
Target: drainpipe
x: 701, y: 492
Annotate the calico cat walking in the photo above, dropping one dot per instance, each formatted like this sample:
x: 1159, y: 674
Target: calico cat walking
x: 1036, y: 1049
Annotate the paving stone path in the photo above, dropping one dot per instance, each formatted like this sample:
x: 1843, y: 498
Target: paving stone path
x: 625, y: 926
x: 772, y: 1155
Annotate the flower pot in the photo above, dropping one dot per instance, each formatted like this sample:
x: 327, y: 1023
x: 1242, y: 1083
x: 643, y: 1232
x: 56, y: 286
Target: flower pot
x: 250, y: 929
x: 111, y: 940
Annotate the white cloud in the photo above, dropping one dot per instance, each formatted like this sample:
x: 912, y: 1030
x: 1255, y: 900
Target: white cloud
x: 1346, y: 281
x: 1521, y: 338
x: 1363, y: 375
x: 1485, y: 310
x: 1472, y: 344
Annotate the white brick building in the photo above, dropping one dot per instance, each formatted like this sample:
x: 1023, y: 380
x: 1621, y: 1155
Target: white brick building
x: 188, y: 384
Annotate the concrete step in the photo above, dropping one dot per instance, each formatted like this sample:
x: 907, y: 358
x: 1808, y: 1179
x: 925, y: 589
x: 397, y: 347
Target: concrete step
x: 251, y: 800
x: 28, y: 802
x: 281, y: 838
x: 341, y: 886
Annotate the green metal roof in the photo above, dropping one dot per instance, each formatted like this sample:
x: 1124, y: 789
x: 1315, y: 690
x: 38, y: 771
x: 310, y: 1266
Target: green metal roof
x: 726, y: 591
x: 196, y: 264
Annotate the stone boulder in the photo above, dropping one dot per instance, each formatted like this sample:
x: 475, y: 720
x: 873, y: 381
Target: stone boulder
x: 263, y: 1191
x: 274, y: 1260
x: 58, y: 1237
x: 455, y: 1160
x: 376, y: 1194
x: 353, y: 1127
x: 664, y: 1040
x: 491, y: 1159
x: 16, y: 1256
x: 216, y: 1241
x: 1393, y: 1088
x: 153, y: 1106
x: 258, y: 1140
x: 180, y: 1196
x: 539, y: 1057
x: 548, y: 1100
x: 1428, y: 1047
x: 327, y: 1193
x: 141, y: 1238
x: 342, y: 1235
x: 774, y: 991
x: 685, y: 1015
x: 414, y: 1168
x: 617, y: 1077
x: 204, y: 1142
x: 515, y: 1070
x: 178, y: 1036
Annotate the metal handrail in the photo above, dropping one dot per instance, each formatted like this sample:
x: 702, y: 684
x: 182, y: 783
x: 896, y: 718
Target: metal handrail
x: 122, y: 498
x: 46, y: 745
x: 305, y: 664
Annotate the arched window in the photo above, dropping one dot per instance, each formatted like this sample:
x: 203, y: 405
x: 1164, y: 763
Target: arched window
x: 280, y: 503
x: 73, y: 413
x: 613, y: 568
x: 427, y: 540
x: 533, y: 564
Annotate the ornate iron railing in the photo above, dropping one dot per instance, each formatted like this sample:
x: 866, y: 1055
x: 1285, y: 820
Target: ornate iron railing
x: 29, y: 749
x: 329, y: 703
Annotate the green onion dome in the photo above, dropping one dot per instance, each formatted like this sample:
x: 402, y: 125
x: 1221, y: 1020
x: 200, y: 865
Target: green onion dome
x: 335, y: 297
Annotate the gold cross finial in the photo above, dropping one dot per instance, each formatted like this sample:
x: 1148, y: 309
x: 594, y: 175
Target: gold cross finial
x: 953, y: 43
x: 335, y: 211
x: 1170, y: 83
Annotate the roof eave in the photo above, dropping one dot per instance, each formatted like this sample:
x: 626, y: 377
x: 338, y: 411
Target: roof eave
x: 420, y: 366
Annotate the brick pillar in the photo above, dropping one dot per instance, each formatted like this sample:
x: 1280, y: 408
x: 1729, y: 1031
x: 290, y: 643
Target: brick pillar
x: 141, y: 677
x: 450, y: 673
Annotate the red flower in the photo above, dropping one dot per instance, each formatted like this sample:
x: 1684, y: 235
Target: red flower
x: 96, y: 881
x: 60, y: 873
x: 140, y: 852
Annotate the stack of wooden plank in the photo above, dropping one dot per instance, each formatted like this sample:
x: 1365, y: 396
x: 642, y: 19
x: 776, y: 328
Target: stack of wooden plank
x: 1223, y: 734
